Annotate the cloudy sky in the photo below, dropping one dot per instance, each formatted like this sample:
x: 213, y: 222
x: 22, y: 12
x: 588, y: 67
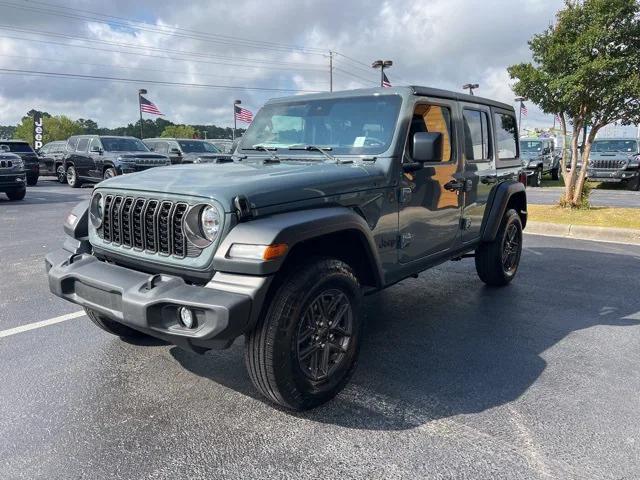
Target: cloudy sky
x: 279, y: 45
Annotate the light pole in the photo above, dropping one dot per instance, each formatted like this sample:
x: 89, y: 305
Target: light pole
x: 520, y: 100
x: 237, y: 102
x: 141, y: 92
x: 382, y: 64
x: 470, y: 87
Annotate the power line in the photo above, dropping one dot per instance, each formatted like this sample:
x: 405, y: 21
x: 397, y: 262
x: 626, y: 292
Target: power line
x: 77, y: 76
x: 143, y: 26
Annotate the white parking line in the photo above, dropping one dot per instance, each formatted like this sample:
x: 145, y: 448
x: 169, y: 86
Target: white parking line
x: 43, y: 323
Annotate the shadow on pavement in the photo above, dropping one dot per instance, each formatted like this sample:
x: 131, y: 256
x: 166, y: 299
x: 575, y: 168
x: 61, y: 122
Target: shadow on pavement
x: 47, y: 193
x: 444, y: 344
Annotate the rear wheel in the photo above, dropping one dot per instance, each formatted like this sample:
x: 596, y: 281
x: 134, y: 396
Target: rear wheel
x: 634, y: 185
x: 72, y: 177
x: 61, y: 174
x: 304, y: 348
x: 109, y: 173
x: 555, y: 174
x: 114, y: 328
x: 497, y: 261
x: 535, y: 180
x: 17, y: 194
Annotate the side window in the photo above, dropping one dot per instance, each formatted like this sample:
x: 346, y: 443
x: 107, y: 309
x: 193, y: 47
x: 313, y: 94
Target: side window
x: 71, y: 144
x: 476, y: 135
x: 431, y: 118
x: 150, y: 145
x: 162, y: 147
x: 506, y: 135
x: 95, y: 142
x: 83, y: 143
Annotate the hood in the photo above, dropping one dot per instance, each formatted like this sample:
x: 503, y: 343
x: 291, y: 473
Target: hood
x: 610, y: 155
x: 263, y: 184
x: 530, y: 155
x: 135, y: 154
x: 205, y: 157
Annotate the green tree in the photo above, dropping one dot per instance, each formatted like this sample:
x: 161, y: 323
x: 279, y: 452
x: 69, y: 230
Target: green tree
x: 585, y: 67
x: 179, y: 131
x: 55, y: 128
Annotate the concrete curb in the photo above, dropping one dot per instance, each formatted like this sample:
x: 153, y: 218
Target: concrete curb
x: 585, y: 232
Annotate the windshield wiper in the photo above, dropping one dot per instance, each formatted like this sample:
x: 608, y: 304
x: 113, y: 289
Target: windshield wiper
x: 323, y: 150
x: 268, y: 150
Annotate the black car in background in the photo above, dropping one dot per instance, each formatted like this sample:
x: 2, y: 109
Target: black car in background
x: 92, y: 158
x: 52, y: 158
x: 12, y: 177
x: 187, y: 150
x: 28, y: 156
x: 225, y: 145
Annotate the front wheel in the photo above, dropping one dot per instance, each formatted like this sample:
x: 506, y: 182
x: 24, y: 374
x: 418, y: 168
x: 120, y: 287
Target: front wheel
x: 304, y: 348
x: 17, y: 194
x: 109, y: 173
x: 61, y: 174
x: 535, y: 180
x: 634, y: 185
x: 114, y: 328
x: 497, y: 261
x: 72, y: 177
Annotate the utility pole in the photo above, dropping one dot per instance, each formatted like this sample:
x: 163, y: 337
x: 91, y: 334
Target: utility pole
x: 330, y: 71
x: 141, y: 92
x: 237, y: 102
x: 520, y: 99
x: 382, y: 64
x: 470, y: 87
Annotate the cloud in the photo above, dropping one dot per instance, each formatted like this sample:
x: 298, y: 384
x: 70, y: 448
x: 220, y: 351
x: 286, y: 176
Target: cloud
x: 440, y: 43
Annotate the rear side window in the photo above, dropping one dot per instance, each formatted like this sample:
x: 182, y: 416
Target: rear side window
x: 506, y: 136
x: 83, y: 143
x: 71, y: 144
x: 476, y: 135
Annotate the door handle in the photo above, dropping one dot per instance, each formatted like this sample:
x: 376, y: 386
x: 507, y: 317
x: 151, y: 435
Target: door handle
x: 454, y: 185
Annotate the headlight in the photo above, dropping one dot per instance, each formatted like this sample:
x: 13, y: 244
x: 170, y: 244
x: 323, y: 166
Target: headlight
x: 18, y: 163
x: 126, y: 159
x: 96, y: 210
x: 210, y: 222
x: 197, y: 160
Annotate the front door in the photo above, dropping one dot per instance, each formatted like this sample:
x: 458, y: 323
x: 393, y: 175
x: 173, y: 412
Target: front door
x: 430, y: 197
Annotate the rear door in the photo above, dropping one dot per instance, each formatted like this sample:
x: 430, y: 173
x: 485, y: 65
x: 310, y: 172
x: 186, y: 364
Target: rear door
x: 479, y: 167
x: 85, y: 168
x: 46, y: 159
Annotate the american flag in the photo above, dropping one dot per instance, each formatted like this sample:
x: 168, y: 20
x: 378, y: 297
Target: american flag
x: 148, y: 107
x: 523, y: 109
x: 243, y: 115
x: 385, y: 81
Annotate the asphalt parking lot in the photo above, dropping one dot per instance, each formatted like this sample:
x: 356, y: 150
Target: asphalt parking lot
x: 456, y: 380
x: 609, y: 197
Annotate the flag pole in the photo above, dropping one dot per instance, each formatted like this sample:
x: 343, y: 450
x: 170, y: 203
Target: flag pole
x: 235, y: 125
x: 140, y: 92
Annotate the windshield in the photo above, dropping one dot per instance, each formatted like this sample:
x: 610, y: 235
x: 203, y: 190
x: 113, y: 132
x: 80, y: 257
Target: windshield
x: 115, y: 144
x: 527, y: 146
x: 615, y: 146
x: 197, y: 146
x: 20, y: 147
x: 356, y: 125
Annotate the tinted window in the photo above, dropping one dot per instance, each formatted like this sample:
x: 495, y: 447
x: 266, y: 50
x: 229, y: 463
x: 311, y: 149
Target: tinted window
x: 120, y: 144
x: 83, y: 143
x: 530, y: 146
x: 161, y: 147
x: 197, y: 146
x: 71, y: 144
x: 476, y: 144
x: 356, y: 125
x: 20, y: 147
x: 506, y: 135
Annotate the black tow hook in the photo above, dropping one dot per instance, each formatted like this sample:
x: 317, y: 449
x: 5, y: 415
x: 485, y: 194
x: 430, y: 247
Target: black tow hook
x: 153, y: 280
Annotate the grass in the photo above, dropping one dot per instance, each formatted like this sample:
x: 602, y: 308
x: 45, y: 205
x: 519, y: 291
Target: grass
x: 595, y: 216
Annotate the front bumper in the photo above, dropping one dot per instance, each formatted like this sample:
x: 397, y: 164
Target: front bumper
x: 12, y: 181
x: 612, y: 176
x: 224, y: 309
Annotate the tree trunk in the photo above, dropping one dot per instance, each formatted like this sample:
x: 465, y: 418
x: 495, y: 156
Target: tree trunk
x: 570, y: 179
x: 563, y: 160
x: 586, y: 152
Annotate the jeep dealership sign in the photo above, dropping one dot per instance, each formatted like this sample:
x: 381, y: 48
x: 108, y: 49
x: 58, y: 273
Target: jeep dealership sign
x: 38, y: 131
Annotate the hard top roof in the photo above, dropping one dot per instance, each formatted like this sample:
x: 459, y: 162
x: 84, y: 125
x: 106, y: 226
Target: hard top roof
x: 404, y: 91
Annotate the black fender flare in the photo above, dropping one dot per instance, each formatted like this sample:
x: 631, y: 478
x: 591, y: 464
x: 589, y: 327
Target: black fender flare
x: 497, y: 206
x: 292, y: 228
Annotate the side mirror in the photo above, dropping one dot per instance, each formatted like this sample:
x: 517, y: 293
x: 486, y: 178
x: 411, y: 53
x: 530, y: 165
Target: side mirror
x: 427, y: 147
x: 96, y: 149
x: 175, y: 151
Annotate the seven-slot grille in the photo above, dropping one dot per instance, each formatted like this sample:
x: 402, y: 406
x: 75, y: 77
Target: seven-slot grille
x: 608, y: 164
x: 155, y: 226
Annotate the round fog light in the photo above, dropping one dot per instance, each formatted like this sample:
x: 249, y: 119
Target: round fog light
x: 186, y: 317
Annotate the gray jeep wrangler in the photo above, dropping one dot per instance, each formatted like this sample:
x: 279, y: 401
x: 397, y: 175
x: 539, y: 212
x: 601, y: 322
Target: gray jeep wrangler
x: 539, y: 156
x: 329, y: 198
x: 615, y: 160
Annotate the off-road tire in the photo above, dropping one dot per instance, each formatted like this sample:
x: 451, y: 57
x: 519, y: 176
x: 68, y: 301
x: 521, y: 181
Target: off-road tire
x: 61, y: 174
x: 114, y: 328
x: 490, y: 261
x: 536, y: 178
x: 272, y: 348
x: 72, y: 177
x: 16, y: 194
x: 634, y: 185
x: 555, y: 174
x: 109, y: 173
x: 32, y: 179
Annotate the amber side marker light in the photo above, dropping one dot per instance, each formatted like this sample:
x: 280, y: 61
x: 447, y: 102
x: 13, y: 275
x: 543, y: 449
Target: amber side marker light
x: 257, y: 252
